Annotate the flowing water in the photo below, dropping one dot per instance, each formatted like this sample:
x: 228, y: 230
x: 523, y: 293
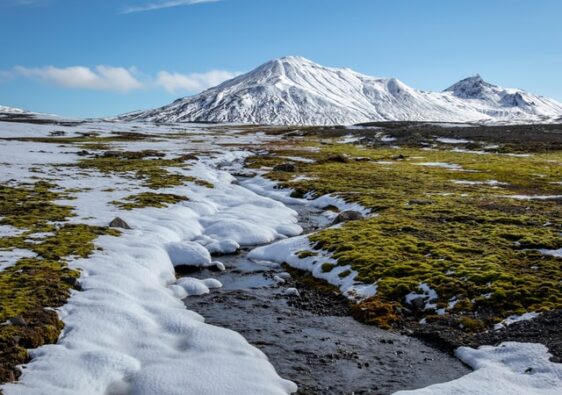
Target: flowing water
x: 311, y: 339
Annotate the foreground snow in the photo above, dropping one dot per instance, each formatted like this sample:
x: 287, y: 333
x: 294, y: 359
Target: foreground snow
x: 127, y: 331
x: 511, y: 368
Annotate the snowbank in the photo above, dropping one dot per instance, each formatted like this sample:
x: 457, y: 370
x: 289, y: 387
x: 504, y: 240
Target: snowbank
x: 510, y: 368
x: 287, y: 251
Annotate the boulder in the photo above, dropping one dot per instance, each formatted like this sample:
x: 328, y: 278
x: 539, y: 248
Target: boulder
x: 119, y: 223
x: 348, y: 215
x: 286, y: 167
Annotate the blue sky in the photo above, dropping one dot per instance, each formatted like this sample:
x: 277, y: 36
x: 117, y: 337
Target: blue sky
x: 91, y: 58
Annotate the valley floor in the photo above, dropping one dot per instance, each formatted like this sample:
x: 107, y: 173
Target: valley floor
x: 207, y: 221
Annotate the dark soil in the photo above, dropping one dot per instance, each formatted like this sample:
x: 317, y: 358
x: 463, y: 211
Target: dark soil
x: 510, y: 138
x: 544, y: 329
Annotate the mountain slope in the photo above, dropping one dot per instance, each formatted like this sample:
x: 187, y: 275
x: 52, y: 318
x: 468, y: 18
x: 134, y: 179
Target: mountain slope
x: 294, y: 90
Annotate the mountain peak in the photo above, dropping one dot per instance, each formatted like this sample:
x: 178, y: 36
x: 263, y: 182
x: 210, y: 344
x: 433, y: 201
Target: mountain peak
x: 294, y: 59
x: 470, y: 88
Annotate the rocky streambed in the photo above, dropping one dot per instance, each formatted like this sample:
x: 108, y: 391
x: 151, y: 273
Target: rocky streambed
x: 310, y: 336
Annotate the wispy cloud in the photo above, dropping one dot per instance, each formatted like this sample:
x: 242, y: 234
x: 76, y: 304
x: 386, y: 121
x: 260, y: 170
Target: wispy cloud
x: 194, y: 82
x: 118, y: 79
x: 105, y: 78
x: 163, y: 4
x: 23, y: 3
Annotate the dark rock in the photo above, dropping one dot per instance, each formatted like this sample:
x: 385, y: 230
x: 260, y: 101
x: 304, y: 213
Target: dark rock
x: 186, y: 157
x: 418, y: 303
x: 57, y: 133
x: 186, y: 269
x: 348, y: 215
x: 83, y: 153
x: 286, y: 167
x: 420, y: 201
x: 18, y: 320
x: 112, y: 154
x: 119, y: 223
x: 341, y: 158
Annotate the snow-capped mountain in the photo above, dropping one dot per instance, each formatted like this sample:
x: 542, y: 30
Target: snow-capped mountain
x: 294, y: 90
x: 11, y: 110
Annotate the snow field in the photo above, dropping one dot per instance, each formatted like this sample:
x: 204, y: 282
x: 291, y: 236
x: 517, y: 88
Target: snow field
x: 127, y: 331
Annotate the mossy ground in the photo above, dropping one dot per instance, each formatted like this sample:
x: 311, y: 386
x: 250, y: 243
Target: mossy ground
x: 153, y: 172
x: 149, y: 199
x: 470, y: 242
x: 33, y: 284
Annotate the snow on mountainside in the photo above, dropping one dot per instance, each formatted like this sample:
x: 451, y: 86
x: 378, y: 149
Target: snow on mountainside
x: 11, y: 110
x: 294, y: 90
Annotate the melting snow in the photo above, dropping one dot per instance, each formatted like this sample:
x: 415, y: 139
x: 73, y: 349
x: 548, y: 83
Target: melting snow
x: 451, y: 166
x: 510, y: 368
x: 516, y: 318
x: 446, y: 140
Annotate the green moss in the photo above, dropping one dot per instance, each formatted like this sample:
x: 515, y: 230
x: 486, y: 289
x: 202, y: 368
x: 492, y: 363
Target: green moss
x: 149, y: 199
x: 344, y: 274
x: 469, y: 241
x: 154, y: 173
x: 306, y: 254
x: 327, y: 267
x: 32, y: 284
x: 72, y: 240
x: 31, y: 206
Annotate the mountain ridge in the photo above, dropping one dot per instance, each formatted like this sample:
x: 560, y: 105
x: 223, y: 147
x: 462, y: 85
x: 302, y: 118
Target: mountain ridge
x: 293, y: 90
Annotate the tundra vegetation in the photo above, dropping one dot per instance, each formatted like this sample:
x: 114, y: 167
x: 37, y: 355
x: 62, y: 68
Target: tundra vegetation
x: 458, y: 221
x: 44, y: 280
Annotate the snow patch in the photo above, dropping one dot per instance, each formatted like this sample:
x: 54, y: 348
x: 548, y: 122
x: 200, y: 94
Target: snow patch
x: 286, y: 251
x: 510, y: 368
x: 516, y: 318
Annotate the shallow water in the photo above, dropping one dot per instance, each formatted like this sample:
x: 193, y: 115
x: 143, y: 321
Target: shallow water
x: 322, y: 349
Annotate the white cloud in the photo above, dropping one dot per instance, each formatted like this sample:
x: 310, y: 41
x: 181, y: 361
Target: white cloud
x: 194, y: 82
x: 104, y: 78
x: 117, y: 79
x: 164, y: 4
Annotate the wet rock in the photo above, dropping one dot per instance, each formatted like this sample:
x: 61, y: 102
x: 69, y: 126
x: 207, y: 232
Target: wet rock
x: 418, y: 303
x: 291, y: 292
x: 119, y: 223
x: 216, y: 266
x: 348, y: 215
x: 286, y: 167
x: 83, y: 153
x: 18, y: 321
x: 245, y: 173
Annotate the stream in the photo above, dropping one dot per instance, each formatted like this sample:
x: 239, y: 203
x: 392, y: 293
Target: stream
x: 311, y: 339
